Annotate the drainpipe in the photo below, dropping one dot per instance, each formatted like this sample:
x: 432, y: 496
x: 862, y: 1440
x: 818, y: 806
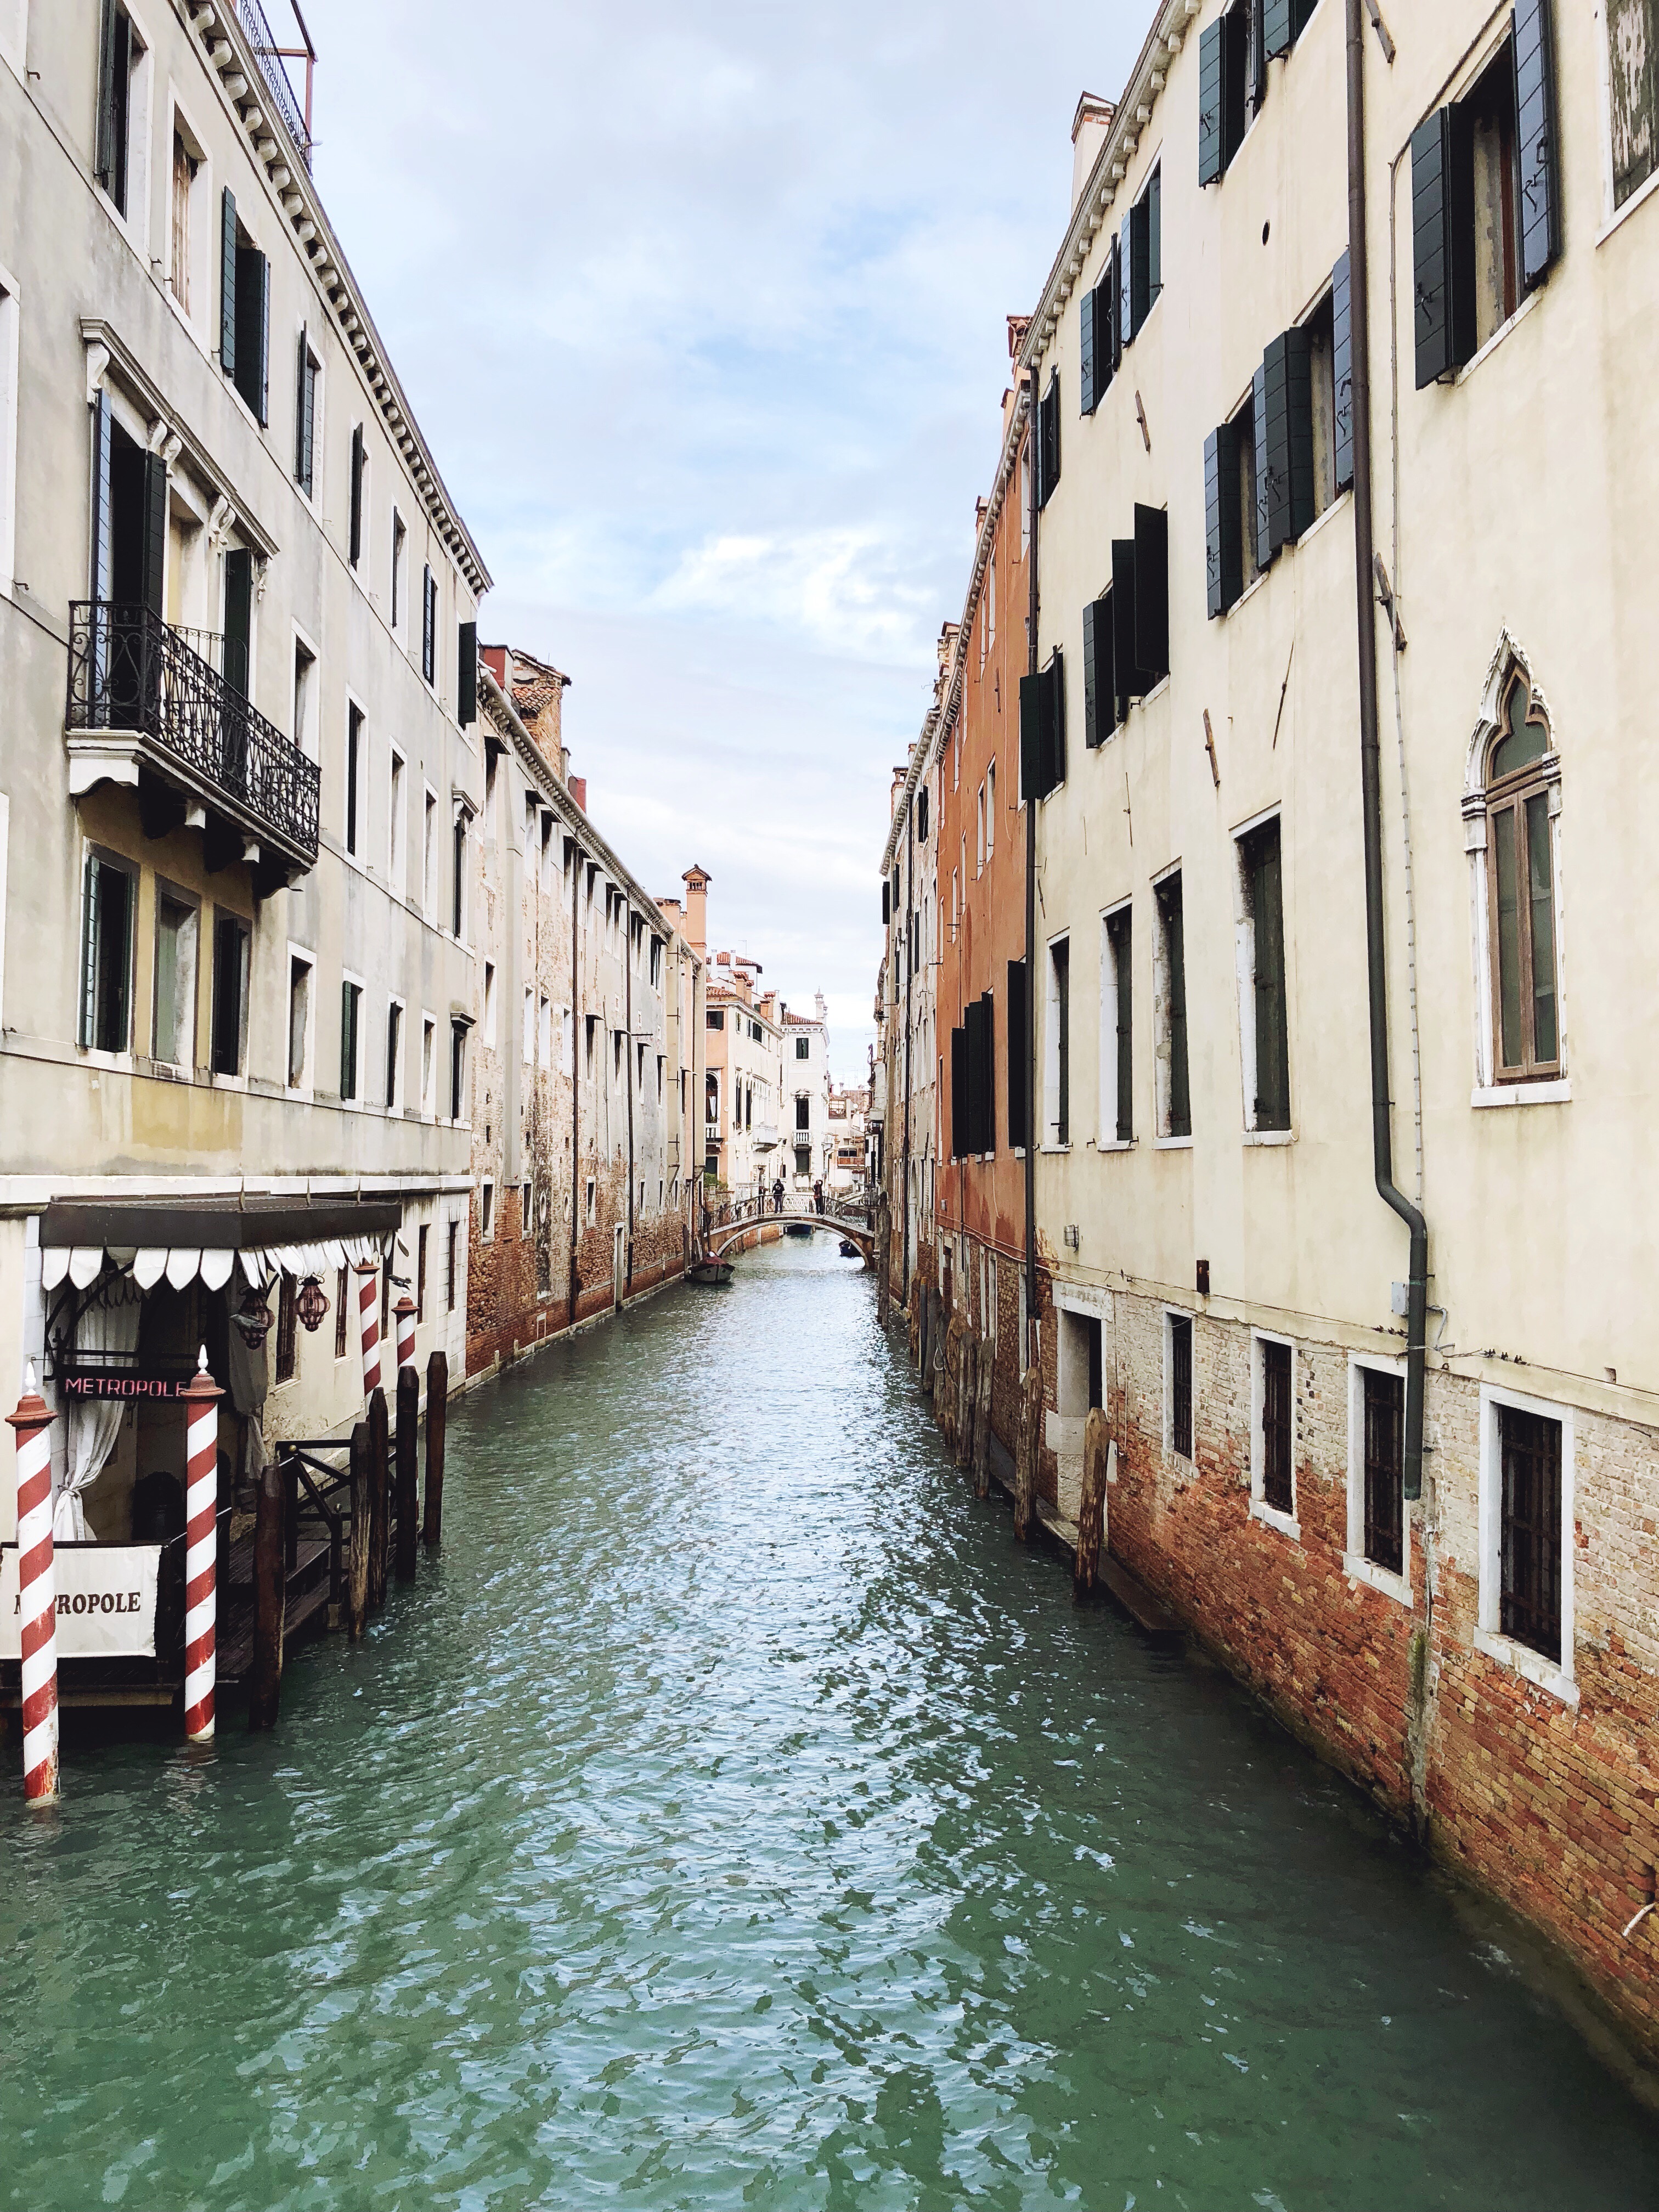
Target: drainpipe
x: 575, y: 1066
x: 1033, y: 439
x: 1369, y: 771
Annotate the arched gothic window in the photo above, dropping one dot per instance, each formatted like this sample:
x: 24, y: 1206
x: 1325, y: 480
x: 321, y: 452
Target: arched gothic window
x: 1522, y: 777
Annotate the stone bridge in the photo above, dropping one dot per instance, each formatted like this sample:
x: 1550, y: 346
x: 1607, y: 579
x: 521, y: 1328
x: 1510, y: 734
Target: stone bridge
x: 732, y: 1232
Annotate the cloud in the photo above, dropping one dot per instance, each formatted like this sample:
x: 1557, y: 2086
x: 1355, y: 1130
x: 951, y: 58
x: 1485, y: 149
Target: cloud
x: 841, y: 589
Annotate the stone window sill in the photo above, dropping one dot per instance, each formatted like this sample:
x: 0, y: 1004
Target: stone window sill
x: 1359, y: 1570
x: 1522, y: 1659
x: 1114, y: 1144
x: 1496, y: 339
x: 1269, y: 1136
x: 1172, y: 1144
x: 1642, y: 192
x: 1557, y: 1093
x: 1286, y: 1523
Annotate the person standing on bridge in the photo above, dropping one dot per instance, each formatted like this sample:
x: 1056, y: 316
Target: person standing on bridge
x: 777, y: 1195
x: 817, y: 1198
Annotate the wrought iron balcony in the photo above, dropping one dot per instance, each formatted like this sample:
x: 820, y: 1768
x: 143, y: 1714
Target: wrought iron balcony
x: 269, y: 56
x: 142, y: 700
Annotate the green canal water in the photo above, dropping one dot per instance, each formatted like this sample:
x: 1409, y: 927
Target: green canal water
x: 735, y: 1816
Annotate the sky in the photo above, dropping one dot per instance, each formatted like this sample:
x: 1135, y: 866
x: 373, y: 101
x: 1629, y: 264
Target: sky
x: 703, y: 311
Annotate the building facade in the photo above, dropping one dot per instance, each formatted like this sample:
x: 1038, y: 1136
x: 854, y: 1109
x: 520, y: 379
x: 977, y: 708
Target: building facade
x: 809, y: 1144
x: 240, y: 762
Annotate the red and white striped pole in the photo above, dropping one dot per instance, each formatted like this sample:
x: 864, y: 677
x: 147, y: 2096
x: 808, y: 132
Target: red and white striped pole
x: 37, y: 1591
x: 368, y: 1309
x: 201, y: 1398
x: 404, y: 1310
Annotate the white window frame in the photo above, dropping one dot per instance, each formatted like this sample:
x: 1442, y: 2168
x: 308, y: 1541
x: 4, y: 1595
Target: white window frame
x: 356, y: 855
x: 487, y: 1210
x: 1051, y: 1047
x: 1508, y: 662
x: 354, y: 1105
x: 1176, y: 1460
x: 396, y: 806
x: 397, y: 590
x: 198, y: 319
x: 1244, y: 957
x: 399, y: 1083
x: 314, y: 498
x: 990, y: 810
x: 1489, y: 1639
x: 1355, y: 1564
x: 1162, y: 1140
x: 14, y: 35
x: 134, y: 225
x: 429, y: 1064
x: 10, y: 322
x: 489, y: 997
x: 1288, y: 1525
x: 1613, y: 217
x: 428, y: 850
x: 303, y: 956
x: 363, y: 568
x: 1106, y: 1137
x: 307, y: 740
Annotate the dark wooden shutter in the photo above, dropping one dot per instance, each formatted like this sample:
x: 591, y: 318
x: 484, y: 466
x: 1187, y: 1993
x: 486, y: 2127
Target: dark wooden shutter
x: 1261, y: 522
x: 1258, y: 57
x: 1277, y: 33
x: 426, y: 623
x: 959, y: 1094
x: 1530, y: 1449
x: 1030, y: 719
x: 305, y: 413
x: 1211, y: 164
x: 988, y: 1045
x: 1126, y: 673
x: 1114, y: 279
x: 1287, y: 380
x: 1181, y: 1386
x: 1431, y: 246
x: 1127, y: 291
x: 886, y: 903
x: 91, y: 884
x: 1534, y: 110
x: 1172, y: 916
x: 1273, y: 1078
x: 1342, y: 370
x: 1099, y: 713
x: 228, y: 283
x: 1054, y: 719
x: 1049, y: 442
x: 1153, y: 203
x: 239, y: 618
x: 355, y: 539
x: 1223, y: 552
x: 1019, y: 1042
x: 921, y: 816
x: 1085, y: 330
x: 1152, y: 593
x: 1141, y: 284
x: 153, y: 551
x: 260, y: 381
x: 105, y: 156
x: 466, y: 675
x: 103, y: 431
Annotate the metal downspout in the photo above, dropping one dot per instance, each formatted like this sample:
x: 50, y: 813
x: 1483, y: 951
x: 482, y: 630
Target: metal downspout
x: 1034, y: 444
x: 627, y: 1076
x: 1370, y: 769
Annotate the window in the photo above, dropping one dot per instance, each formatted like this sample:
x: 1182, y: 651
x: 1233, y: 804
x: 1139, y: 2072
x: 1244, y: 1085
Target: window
x: 429, y: 1056
x: 419, y: 1273
x: 120, y: 146
x: 1058, y: 1069
x: 1178, y: 1383
x: 307, y: 376
x: 429, y: 853
x: 1049, y: 442
x: 1486, y: 200
x: 490, y: 1003
x: 1530, y: 1531
x: 590, y: 1041
x: 8, y: 350
x: 1138, y: 655
x: 430, y: 627
x: 1042, y: 729
x: 232, y: 946
x: 353, y: 768
x: 1019, y: 1046
x: 1523, y: 791
x: 394, y: 1038
x: 526, y: 1218
x: 359, y: 471
x: 351, y: 1001
x: 803, y: 1111
x: 173, y: 1040
x: 299, y: 1021
x: 545, y: 1034
x: 1175, y: 1105
x: 803, y: 1048
x: 1117, y: 1124
x: 529, y: 1040
x: 1232, y: 74
x: 979, y: 839
x: 1024, y: 507
x: 803, y: 1159
x: 716, y: 1018
x: 1140, y: 260
x: 452, y: 1271
x: 456, y: 1071
x: 757, y: 1036
x: 487, y: 1210
x: 1263, y: 1015
x: 1632, y: 93
x: 186, y: 173
x: 990, y: 810
x: 590, y: 1203
x: 656, y: 963
x: 399, y: 571
x: 1377, y: 1503
x: 395, y: 824
x: 341, y: 1309
x: 305, y: 698
x: 287, y: 1334
x: 244, y: 312
x: 109, y: 903
x: 1272, y: 1472
x: 662, y: 1065
x: 458, y: 912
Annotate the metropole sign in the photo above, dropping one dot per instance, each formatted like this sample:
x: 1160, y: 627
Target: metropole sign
x: 105, y: 1600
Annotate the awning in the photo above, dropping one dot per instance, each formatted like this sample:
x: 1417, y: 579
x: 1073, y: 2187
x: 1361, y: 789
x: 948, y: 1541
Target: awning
x: 183, y: 1238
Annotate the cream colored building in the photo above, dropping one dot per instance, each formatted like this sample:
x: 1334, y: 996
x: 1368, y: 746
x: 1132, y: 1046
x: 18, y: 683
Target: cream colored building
x: 238, y: 979
x: 1220, y: 1266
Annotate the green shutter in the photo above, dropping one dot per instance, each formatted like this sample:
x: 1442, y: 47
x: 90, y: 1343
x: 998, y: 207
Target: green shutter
x: 466, y: 675
x: 153, y: 547
x: 106, y: 156
x: 1019, y: 1056
x: 1534, y: 109
x: 1085, y: 323
x: 103, y: 428
x: 959, y: 1094
x: 1030, y: 695
x: 1277, y: 31
x: 1260, y: 520
x: 356, y: 539
x: 228, y: 283
x: 1431, y: 246
x: 1053, y: 721
x: 1128, y: 288
x: 1223, y: 528
x: 1210, y: 166
x: 1342, y: 370
x: 90, y: 887
x: 1152, y: 593
x: 1091, y: 730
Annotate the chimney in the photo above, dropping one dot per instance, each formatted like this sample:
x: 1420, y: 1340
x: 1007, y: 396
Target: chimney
x: 1089, y: 125
x: 697, y: 881
x: 577, y: 786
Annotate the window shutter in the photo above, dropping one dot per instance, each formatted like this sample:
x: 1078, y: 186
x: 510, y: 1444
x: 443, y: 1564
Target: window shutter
x: 1298, y: 401
x: 106, y: 154
x: 1018, y: 1052
x: 1126, y: 670
x: 1431, y: 246
x: 1054, y: 721
x: 1259, y: 521
x: 1210, y: 163
x: 1152, y: 202
x: 1030, y: 695
x: 355, y: 540
x: 1534, y: 110
x: 1277, y: 33
x: 304, y: 405
x: 1116, y: 279
x: 426, y: 623
x: 238, y: 619
x: 1091, y: 730
x: 1258, y: 57
x: 1223, y: 554
x: 154, y: 545
x: 228, y: 283
x: 261, y: 402
x: 886, y: 903
x: 1134, y: 283
x: 1152, y: 593
x: 959, y: 1094
x: 90, y: 885
x: 1049, y: 442
x: 988, y: 1074
x: 921, y: 816
x: 102, y: 434
x: 1085, y: 328
x: 1342, y: 371
x: 466, y: 675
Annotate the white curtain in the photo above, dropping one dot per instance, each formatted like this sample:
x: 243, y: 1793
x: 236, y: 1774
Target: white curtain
x: 94, y: 1423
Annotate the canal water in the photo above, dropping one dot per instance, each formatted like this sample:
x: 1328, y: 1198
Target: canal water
x: 735, y: 1816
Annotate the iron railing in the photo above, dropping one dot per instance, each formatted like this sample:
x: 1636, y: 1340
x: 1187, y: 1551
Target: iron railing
x: 128, y: 670
x: 268, y: 55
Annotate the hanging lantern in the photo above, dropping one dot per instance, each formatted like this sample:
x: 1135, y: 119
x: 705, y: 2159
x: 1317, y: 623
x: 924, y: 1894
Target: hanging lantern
x: 254, y: 1320
x: 312, y: 1304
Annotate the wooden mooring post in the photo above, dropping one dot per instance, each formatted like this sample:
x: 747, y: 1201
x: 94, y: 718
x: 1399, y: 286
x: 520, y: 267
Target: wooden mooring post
x: 437, y: 1414
x: 409, y: 1440
x: 981, y: 1460
x: 361, y: 1515
x: 269, y: 1594
x: 1091, y: 1510
x: 1030, y: 1442
x: 380, y: 1496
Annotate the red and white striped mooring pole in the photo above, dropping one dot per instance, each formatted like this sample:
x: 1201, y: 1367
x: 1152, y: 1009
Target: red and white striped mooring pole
x: 368, y: 1300
x: 37, y: 1588
x: 404, y: 1310
x: 201, y: 1397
